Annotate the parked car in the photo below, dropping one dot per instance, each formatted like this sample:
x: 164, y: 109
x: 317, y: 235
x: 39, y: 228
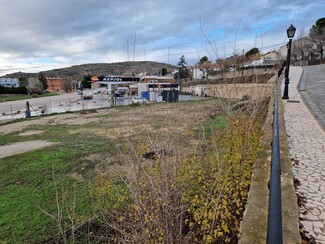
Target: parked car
x: 86, y: 95
x: 139, y: 100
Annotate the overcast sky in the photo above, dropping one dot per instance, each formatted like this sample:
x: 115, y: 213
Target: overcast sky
x: 38, y: 35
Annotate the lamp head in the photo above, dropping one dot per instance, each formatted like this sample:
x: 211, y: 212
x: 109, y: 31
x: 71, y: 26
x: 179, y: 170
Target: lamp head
x: 291, y: 31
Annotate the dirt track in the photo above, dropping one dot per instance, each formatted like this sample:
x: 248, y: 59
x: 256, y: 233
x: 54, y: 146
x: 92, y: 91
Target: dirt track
x: 20, y: 147
x: 57, y: 119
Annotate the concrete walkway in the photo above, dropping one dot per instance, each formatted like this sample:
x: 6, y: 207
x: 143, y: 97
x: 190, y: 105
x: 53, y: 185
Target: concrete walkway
x: 21, y: 147
x: 306, y: 141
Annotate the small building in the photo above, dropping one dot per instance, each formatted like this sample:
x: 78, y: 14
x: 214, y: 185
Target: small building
x: 159, y: 92
x: 58, y: 84
x: 202, y: 71
x: 9, y: 82
x: 94, y: 82
x: 54, y: 84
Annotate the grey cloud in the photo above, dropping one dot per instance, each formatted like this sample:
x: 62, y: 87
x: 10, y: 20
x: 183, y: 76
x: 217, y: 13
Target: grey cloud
x: 78, y: 29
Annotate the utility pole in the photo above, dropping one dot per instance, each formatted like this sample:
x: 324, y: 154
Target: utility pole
x: 242, y: 64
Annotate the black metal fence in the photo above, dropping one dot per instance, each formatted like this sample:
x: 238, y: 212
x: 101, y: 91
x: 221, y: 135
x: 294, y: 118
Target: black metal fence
x: 274, y: 224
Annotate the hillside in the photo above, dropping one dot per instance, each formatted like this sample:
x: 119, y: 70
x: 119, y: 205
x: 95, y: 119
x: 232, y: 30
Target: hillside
x: 123, y: 68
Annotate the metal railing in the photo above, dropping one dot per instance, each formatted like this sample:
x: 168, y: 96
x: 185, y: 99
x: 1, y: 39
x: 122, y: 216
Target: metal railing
x: 274, y: 223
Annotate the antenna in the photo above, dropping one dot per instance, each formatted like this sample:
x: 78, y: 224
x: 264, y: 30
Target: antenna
x: 135, y: 38
x: 235, y: 44
x: 127, y: 49
x: 262, y: 42
x: 168, y: 54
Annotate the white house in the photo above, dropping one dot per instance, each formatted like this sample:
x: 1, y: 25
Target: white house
x: 200, y: 71
x: 270, y: 58
x: 9, y: 82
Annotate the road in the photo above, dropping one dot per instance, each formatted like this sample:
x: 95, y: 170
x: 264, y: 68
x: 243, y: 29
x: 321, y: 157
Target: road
x: 36, y: 102
x: 313, y: 91
x: 61, y: 103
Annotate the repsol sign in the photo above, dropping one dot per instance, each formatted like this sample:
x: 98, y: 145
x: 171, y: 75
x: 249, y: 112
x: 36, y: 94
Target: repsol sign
x: 120, y: 79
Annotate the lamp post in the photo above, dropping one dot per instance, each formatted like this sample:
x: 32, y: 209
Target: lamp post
x: 290, y: 32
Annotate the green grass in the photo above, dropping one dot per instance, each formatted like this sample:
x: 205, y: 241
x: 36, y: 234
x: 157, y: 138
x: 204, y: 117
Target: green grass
x: 11, y: 138
x: 217, y: 123
x: 9, y: 97
x: 27, y: 182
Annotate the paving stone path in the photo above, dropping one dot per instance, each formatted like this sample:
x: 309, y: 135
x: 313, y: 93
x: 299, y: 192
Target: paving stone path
x: 307, y: 151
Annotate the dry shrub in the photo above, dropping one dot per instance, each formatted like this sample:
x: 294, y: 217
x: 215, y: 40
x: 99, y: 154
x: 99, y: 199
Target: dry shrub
x: 160, y: 196
x: 141, y: 203
x: 216, y: 188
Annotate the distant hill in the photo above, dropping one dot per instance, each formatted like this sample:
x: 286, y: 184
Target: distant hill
x: 77, y: 72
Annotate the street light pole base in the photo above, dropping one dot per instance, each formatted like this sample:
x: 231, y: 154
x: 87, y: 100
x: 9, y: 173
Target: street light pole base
x: 286, y: 85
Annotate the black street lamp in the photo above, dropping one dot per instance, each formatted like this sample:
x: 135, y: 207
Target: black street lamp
x: 290, y: 32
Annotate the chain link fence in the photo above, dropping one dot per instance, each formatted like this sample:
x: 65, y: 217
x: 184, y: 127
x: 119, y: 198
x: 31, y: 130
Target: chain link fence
x: 11, y: 111
x: 14, y: 110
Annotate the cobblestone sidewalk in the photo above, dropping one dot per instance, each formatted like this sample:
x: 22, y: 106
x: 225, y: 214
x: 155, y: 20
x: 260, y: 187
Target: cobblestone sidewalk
x: 307, y: 152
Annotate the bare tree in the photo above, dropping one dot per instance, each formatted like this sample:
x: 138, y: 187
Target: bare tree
x: 66, y: 85
x: 34, y: 86
x: 41, y: 77
x: 302, y: 47
x: 317, y: 33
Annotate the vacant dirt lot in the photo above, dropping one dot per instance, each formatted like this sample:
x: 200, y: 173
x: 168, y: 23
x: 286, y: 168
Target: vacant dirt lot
x: 121, y: 122
x: 175, y: 116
